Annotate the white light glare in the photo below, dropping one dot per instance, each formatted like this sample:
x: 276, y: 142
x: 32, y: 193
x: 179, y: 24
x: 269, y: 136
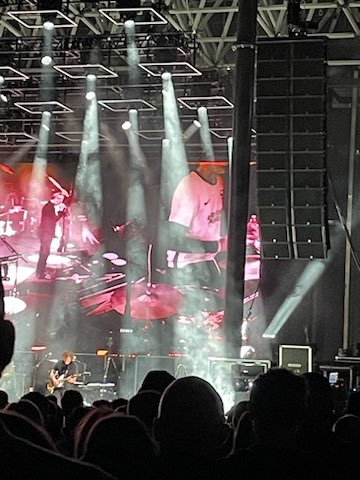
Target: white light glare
x: 46, y: 114
x: 90, y: 95
x: 2, y: 79
x: 129, y: 24
x: 46, y: 60
x: 91, y: 77
x: 3, y: 98
x: 166, y: 76
x: 126, y: 125
x: 49, y: 26
x: 202, y: 110
x: 197, y: 123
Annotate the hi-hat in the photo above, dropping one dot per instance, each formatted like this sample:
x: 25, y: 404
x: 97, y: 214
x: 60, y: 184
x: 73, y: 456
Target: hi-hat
x: 152, y: 302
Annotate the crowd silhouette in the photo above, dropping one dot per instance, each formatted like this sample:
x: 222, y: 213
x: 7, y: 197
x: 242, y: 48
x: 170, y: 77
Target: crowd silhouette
x: 177, y: 428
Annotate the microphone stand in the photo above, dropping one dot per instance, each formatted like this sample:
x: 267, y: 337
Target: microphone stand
x: 35, y: 369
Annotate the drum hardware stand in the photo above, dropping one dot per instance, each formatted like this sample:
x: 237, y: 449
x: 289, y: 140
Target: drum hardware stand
x: 109, y: 359
x: 15, y: 256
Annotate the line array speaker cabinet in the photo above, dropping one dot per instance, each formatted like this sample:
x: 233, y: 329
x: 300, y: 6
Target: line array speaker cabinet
x: 291, y: 145
x: 297, y: 358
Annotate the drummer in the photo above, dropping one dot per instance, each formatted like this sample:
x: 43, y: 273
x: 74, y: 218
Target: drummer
x: 195, y: 224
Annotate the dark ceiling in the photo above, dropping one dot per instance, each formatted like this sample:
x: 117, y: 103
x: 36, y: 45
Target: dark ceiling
x: 198, y: 32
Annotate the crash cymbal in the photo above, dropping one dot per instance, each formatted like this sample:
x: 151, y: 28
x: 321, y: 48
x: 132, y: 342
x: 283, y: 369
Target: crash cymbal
x: 110, y: 255
x: 152, y: 302
x: 119, y: 262
x: 6, y: 169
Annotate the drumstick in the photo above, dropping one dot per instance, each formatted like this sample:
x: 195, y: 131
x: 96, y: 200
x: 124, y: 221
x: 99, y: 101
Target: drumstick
x: 57, y: 185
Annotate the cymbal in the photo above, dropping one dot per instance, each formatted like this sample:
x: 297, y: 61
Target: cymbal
x: 152, y: 302
x: 6, y: 169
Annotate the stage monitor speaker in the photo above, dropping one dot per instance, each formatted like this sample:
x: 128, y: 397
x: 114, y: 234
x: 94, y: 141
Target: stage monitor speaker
x: 237, y: 372
x: 291, y: 146
x: 297, y: 358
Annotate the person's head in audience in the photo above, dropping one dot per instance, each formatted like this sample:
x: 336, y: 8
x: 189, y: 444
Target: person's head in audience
x: 40, y: 401
x: 119, y: 405
x: 4, y: 399
x: 2, y: 304
x: 144, y: 405
x: 353, y: 403
x: 157, y: 380
x: 7, y: 335
x: 319, y: 402
x: 101, y: 403
x: 7, y: 341
x: 347, y: 430
x: 27, y: 409
x: 71, y: 400
x: 120, y: 445
x: 277, y: 406
x: 191, y: 419
x: 83, y: 427
x: 234, y: 414
x: 22, y: 427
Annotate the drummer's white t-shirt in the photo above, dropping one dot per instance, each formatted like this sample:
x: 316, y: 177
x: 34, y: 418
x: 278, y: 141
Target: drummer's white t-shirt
x: 198, y: 205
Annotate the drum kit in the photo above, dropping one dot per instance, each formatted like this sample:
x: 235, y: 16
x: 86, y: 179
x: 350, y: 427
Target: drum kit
x: 148, y: 301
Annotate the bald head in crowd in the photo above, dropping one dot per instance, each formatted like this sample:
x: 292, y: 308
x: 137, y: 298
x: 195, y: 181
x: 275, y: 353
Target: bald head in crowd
x: 190, y: 418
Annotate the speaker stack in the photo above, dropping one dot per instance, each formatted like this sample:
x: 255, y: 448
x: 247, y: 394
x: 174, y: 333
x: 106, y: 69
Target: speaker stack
x: 291, y: 144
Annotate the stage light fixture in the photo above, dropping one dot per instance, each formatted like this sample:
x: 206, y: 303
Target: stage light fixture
x: 2, y: 80
x: 38, y: 348
x: 126, y: 125
x: 46, y: 60
x: 49, y: 26
x: 91, y: 77
x: 197, y: 123
x: 90, y: 95
x: 166, y: 76
x: 129, y: 24
x: 3, y: 98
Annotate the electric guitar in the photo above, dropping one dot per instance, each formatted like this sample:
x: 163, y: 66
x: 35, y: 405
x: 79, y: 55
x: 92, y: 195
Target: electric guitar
x: 59, y: 382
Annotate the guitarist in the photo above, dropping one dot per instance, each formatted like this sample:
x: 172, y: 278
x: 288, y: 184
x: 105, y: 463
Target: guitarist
x: 63, y: 375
